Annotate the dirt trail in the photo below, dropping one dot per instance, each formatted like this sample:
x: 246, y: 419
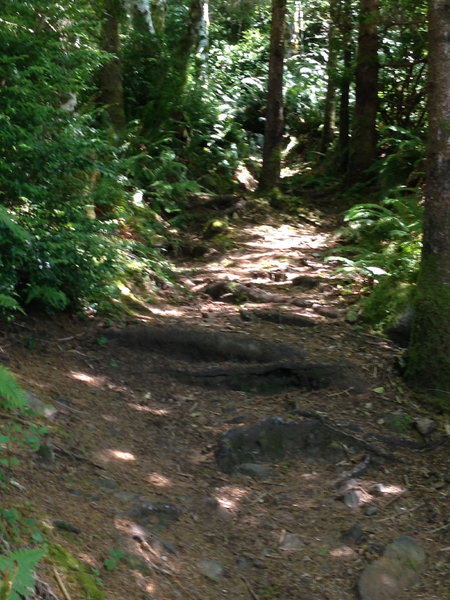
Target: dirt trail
x: 131, y: 468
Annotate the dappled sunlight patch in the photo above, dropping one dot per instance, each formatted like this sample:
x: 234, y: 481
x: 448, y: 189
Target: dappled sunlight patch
x: 229, y: 497
x: 86, y: 378
x: 159, y: 480
x: 113, y: 455
x: 343, y: 552
x: 159, y: 412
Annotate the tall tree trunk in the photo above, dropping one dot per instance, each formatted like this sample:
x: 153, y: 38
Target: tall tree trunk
x: 141, y: 12
x: 273, y: 134
x: 201, y: 56
x: 187, y: 43
x: 346, y: 29
x: 363, y: 150
x: 296, y: 27
x: 429, y: 353
x: 159, y: 12
x: 111, y: 87
x: 329, y: 116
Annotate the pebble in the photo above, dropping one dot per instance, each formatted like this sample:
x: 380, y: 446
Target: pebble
x: 424, y: 425
x: 371, y: 510
x: 255, y: 470
x: 211, y: 569
x: 292, y: 542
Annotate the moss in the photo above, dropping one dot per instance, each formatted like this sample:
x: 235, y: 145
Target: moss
x: 388, y: 301
x: 77, y: 571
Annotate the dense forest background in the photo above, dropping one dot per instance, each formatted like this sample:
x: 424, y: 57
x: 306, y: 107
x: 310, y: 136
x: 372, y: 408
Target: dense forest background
x: 115, y: 114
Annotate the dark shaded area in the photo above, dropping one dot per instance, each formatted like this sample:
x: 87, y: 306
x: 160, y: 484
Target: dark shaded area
x: 196, y: 344
x: 274, y: 378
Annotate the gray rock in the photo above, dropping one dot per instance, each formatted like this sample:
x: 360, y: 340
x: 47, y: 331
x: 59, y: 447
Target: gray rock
x: 66, y: 526
x: 353, y: 536
x: 211, y: 569
x: 106, y: 483
x: 254, y: 470
x: 277, y: 438
x: 424, y: 425
x: 126, y: 496
x: 396, y: 571
x: 155, y: 514
x: 292, y: 542
x: 353, y: 498
x: 371, y: 510
x: 40, y: 408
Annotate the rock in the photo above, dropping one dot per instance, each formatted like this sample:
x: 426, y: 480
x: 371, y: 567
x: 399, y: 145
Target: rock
x: 66, y: 526
x: 400, y: 330
x: 126, y: 496
x: 277, y: 438
x: 211, y: 569
x: 396, y: 571
x: 106, y: 483
x: 292, y: 542
x: 353, y: 536
x: 155, y: 514
x: 353, y: 498
x: 40, y: 408
x: 45, y: 453
x: 424, y: 425
x: 254, y: 470
x: 371, y: 510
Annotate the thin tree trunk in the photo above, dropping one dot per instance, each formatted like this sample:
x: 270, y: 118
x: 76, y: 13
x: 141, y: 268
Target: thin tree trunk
x: 363, y: 151
x: 159, y: 12
x: 346, y: 28
x: 201, y: 56
x: 111, y: 87
x: 429, y: 353
x: 329, y: 117
x: 273, y: 134
x: 296, y: 30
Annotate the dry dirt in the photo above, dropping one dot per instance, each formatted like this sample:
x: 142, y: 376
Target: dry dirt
x: 127, y: 430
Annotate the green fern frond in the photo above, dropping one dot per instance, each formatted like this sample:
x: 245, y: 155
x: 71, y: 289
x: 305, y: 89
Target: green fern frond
x: 49, y: 296
x: 10, y: 303
x: 6, y: 221
x: 17, y: 573
x: 11, y: 394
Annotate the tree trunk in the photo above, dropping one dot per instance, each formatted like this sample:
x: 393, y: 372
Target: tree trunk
x: 329, y: 117
x: 346, y: 28
x: 429, y: 354
x: 363, y: 151
x: 270, y: 174
x: 201, y: 56
x: 111, y: 88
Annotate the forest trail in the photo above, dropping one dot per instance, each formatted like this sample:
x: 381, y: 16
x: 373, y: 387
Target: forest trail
x: 131, y: 471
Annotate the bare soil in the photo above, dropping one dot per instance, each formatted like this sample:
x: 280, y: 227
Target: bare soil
x: 128, y: 430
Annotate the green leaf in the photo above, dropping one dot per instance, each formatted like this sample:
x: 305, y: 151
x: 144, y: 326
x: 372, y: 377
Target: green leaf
x: 18, y: 569
x: 379, y: 390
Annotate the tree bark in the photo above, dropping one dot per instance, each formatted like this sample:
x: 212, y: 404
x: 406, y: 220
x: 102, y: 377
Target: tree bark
x: 111, y: 87
x: 270, y: 174
x: 346, y: 28
x: 329, y: 116
x: 429, y: 353
x: 363, y: 151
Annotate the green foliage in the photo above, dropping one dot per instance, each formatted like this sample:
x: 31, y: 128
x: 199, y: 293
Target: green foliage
x: 115, y: 556
x: 11, y: 394
x: 17, y: 573
x: 77, y: 571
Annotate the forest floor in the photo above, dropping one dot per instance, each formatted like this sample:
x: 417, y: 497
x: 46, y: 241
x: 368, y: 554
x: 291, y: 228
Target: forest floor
x: 129, y: 482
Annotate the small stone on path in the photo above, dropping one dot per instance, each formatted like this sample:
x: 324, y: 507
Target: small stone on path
x: 292, y: 542
x: 254, y: 470
x: 211, y: 569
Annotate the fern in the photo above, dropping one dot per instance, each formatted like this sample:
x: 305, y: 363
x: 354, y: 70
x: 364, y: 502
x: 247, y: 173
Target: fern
x: 9, y: 303
x: 8, y: 223
x: 49, y: 296
x: 11, y: 395
x: 17, y: 573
